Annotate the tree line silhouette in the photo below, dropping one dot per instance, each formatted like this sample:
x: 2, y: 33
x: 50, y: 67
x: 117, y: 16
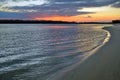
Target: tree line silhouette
x: 51, y: 22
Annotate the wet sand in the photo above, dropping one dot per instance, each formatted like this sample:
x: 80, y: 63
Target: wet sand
x: 103, y: 65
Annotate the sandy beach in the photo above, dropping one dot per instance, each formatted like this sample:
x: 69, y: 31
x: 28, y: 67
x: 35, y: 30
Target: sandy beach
x: 103, y: 65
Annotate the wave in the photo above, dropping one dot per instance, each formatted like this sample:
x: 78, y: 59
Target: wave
x: 38, y: 53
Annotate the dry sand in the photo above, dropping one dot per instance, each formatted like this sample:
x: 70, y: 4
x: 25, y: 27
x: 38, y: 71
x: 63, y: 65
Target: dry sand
x: 103, y: 65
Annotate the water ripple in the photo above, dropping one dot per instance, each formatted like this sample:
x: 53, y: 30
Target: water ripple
x: 35, y: 52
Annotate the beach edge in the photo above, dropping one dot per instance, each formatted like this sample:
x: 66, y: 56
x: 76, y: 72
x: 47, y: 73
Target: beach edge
x: 103, y: 65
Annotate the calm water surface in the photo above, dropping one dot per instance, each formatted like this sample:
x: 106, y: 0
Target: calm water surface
x: 38, y: 51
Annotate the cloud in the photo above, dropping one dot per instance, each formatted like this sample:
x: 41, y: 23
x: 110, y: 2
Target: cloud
x: 89, y: 16
x: 11, y: 15
x: 51, y: 7
x: 53, y: 10
x: 12, y: 3
x: 117, y: 4
x: 85, y: 3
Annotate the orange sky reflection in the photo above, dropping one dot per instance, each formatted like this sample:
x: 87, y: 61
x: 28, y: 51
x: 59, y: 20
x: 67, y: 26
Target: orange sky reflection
x: 57, y: 27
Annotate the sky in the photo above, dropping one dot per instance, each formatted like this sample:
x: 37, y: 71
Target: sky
x: 61, y: 10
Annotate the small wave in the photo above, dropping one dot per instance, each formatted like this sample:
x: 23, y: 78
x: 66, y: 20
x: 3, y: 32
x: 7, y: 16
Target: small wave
x: 34, y: 52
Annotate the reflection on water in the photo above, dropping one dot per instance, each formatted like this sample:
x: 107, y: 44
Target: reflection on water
x: 57, y: 27
x: 37, y: 51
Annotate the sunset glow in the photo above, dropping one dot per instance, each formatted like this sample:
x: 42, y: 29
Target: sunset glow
x: 101, y: 14
x: 78, y: 10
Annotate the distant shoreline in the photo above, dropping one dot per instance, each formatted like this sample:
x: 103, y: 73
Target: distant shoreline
x: 47, y: 22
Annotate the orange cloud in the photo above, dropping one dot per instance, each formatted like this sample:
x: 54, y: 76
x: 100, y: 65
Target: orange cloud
x: 54, y: 18
x: 102, y: 14
x: 78, y: 18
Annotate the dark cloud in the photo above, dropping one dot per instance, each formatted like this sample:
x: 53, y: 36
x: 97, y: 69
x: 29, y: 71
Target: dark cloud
x: 53, y: 10
x: 117, y: 4
x: 13, y: 15
x: 73, y: 5
x: 89, y: 16
x: 81, y: 3
x: 54, y: 7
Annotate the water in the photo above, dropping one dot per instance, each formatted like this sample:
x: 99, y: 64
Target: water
x: 37, y: 51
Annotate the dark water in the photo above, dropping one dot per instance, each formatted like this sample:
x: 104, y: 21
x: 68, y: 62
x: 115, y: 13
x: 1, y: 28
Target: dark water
x: 37, y: 51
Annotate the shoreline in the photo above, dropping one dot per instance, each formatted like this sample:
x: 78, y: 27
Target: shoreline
x: 102, y: 65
